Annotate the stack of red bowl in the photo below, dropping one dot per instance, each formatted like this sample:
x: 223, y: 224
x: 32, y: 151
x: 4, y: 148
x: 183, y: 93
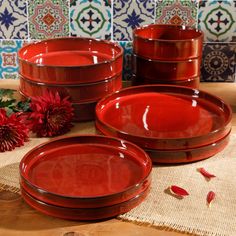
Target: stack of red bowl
x: 84, y: 69
x: 167, y: 54
x: 85, y: 177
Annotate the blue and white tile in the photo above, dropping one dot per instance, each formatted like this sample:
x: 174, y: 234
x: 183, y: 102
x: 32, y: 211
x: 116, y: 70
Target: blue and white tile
x: 219, y: 62
x: 8, y: 58
x: 129, y: 14
x: 127, y: 59
x: 90, y: 18
x: 13, y: 19
x: 217, y: 19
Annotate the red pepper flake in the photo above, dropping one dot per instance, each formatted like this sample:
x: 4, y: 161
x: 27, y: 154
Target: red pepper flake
x: 178, y: 191
x: 210, y: 197
x: 205, y: 173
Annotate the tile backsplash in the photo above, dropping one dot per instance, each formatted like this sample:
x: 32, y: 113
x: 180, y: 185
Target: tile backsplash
x: 27, y: 20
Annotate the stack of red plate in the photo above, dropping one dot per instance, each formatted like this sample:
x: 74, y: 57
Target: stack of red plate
x: 167, y: 54
x: 83, y: 68
x: 173, y: 124
x: 85, y: 177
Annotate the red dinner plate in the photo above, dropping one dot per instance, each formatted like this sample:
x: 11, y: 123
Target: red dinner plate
x: 85, y: 171
x: 166, y: 70
x: 167, y: 42
x: 188, y: 155
x: 77, y: 92
x: 164, y: 116
x: 70, y: 60
x: 190, y: 82
x: 82, y: 213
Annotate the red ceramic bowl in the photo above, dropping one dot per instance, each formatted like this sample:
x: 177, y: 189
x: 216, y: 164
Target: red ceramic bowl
x: 85, y: 171
x: 166, y: 70
x: 191, y: 82
x: 188, y: 155
x: 167, y: 42
x: 77, y: 92
x: 164, y: 117
x: 81, y: 213
x: 70, y: 60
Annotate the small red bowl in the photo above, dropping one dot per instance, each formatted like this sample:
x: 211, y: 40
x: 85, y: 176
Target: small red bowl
x: 191, y: 82
x: 166, y: 70
x: 188, y: 155
x: 77, y: 92
x: 70, y: 60
x: 85, y: 171
x: 167, y: 42
x: 164, y: 117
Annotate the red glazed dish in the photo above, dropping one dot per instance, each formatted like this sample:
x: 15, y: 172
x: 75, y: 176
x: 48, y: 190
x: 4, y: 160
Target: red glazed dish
x: 84, y: 213
x: 70, y: 60
x: 190, y: 82
x: 167, y: 42
x: 77, y: 92
x: 164, y: 117
x: 85, y: 171
x: 166, y: 70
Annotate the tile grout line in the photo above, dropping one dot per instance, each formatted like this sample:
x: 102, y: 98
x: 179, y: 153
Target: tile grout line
x: 197, y: 14
x: 27, y: 15
x: 69, y: 19
x: 155, y: 12
x: 112, y: 7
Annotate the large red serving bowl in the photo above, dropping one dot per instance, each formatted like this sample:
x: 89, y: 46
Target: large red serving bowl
x: 70, y: 60
x: 166, y: 70
x: 78, y: 93
x: 167, y: 42
x: 188, y: 82
x: 164, y: 117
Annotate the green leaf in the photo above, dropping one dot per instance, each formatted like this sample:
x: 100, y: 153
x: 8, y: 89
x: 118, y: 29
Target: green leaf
x: 8, y: 93
x: 6, y: 103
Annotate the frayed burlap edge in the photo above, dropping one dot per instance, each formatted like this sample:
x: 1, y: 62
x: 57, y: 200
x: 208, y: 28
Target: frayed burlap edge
x: 167, y: 226
x: 5, y: 187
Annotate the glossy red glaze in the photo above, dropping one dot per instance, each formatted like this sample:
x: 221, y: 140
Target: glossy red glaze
x: 70, y: 60
x: 191, y: 82
x: 164, y: 116
x: 82, y: 213
x: 188, y: 155
x: 85, y: 171
x: 166, y: 70
x: 167, y: 42
x: 78, y: 93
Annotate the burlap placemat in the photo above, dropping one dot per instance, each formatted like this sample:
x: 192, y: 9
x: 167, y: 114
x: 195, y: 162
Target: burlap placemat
x: 190, y: 215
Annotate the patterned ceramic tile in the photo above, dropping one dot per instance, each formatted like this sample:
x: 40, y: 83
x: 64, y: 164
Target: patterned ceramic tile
x: 128, y: 14
x: 180, y: 12
x: 8, y: 58
x: 90, y: 18
x: 13, y: 19
x: 48, y: 18
x: 127, y: 62
x: 219, y: 62
x: 217, y: 19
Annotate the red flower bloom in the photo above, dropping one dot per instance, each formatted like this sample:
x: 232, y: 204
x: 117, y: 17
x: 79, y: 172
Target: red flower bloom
x: 51, y: 115
x: 13, y: 133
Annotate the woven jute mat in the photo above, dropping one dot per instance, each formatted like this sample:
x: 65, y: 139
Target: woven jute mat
x: 190, y: 214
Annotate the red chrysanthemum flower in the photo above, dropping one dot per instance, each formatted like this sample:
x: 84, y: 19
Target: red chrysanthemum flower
x: 51, y: 115
x: 13, y: 133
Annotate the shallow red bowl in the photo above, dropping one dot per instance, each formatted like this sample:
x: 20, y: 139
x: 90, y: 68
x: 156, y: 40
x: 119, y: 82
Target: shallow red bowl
x: 188, y: 155
x: 167, y: 42
x: 82, y: 213
x: 77, y: 92
x: 70, y: 60
x: 85, y: 171
x: 190, y: 82
x: 166, y: 70
x: 164, y: 116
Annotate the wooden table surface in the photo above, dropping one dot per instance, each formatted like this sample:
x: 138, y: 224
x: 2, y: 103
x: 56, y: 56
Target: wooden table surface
x: 17, y: 218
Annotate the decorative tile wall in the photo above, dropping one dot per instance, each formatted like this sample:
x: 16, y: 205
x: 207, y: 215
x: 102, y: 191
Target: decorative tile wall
x: 27, y: 20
